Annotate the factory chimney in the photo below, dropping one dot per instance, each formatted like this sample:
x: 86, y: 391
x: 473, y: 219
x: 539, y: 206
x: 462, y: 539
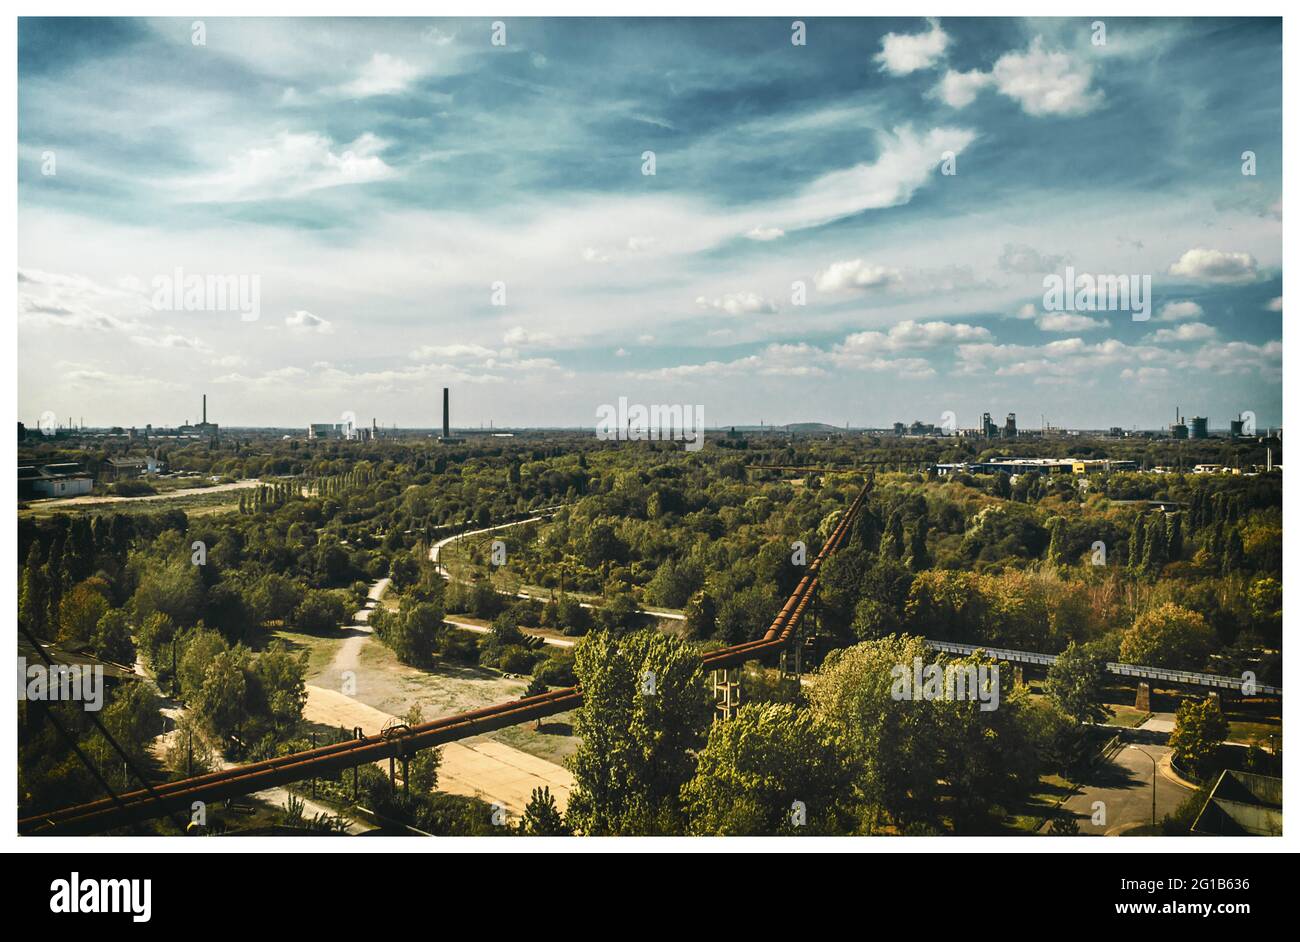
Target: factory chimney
x: 446, y: 414
x: 205, y: 408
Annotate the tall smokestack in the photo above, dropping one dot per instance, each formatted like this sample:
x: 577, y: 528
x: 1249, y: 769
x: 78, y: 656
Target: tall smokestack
x: 205, y: 408
x: 446, y: 414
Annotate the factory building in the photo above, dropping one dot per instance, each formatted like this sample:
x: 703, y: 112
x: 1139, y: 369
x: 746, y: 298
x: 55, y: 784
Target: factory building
x: 1038, y: 466
x: 65, y: 479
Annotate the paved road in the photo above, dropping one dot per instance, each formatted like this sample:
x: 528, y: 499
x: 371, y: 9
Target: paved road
x: 1123, y: 784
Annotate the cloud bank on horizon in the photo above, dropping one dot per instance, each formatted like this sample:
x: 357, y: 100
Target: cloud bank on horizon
x: 853, y: 230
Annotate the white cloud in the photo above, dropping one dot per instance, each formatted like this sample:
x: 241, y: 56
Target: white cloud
x: 306, y: 320
x: 1145, y: 374
x: 172, y: 342
x: 521, y: 337
x: 764, y: 233
x: 742, y: 302
x: 1047, y: 83
x: 1275, y: 305
x: 1068, y: 323
x: 454, y: 351
x: 290, y: 165
x: 1180, y: 311
x: 855, y: 274
x: 382, y: 75
x: 1026, y: 312
x: 905, y: 161
x: 1185, y: 332
x: 799, y: 359
x: 903, y: 53
x: 1216, y: 266
x: 875, y: 351
x: 50, y: 299
x: 1241, y: 358
x: 958, y: 89
x: 1026, y: 260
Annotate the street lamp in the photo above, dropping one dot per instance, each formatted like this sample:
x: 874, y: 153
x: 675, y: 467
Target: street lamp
x: 1153, y: 781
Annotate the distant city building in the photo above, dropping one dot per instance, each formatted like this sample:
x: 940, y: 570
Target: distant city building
x: 1236, y: 427
x: 1179, y: 429
x: 1200, y: 427
x: 1039, y: 466
x: 1010, y: 430
x: 336, y: 431
x: 989, y: 430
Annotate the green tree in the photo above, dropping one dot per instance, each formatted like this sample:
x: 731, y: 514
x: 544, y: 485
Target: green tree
x: 222, y: 700
x: 1234, y: 553
x: 1174, y: 538
x: 891, y: 544
x: 892, y: 746
x: 1056, y: 548
x: 1076, y: 683
x: 111, y: 639
x: 321, y: 610
x: 918, y: 555
x: 701, y: 615
x: 80, y: 611
x: 1168, y: 636
x: 1154, y: 550
x: 772, y: 769
x: 34, y: 594
x: 1199, y: 731
x: 1137, y: 543
x: 282, y: 678
x: 542, y: 816
x: 645, y: 707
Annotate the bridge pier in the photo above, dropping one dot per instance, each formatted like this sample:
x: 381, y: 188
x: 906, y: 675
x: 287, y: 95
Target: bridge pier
x: 726, y: 692
x: 1143, y: 701
x: 356, y: 771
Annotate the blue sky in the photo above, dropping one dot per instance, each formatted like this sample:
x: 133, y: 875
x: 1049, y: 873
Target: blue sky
x: 918, y: 179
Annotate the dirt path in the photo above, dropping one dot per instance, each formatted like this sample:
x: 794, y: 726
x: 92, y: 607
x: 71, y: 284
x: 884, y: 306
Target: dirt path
x: 166, y: 495
x: 478, y: 768
x: 436, y: 551
x: 548, y: 637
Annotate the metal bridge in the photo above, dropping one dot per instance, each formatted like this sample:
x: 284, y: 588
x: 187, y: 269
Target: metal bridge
x: 1161, y: 674
x: 403, y: 742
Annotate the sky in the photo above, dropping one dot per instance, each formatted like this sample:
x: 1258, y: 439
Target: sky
x: 547, y: 215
